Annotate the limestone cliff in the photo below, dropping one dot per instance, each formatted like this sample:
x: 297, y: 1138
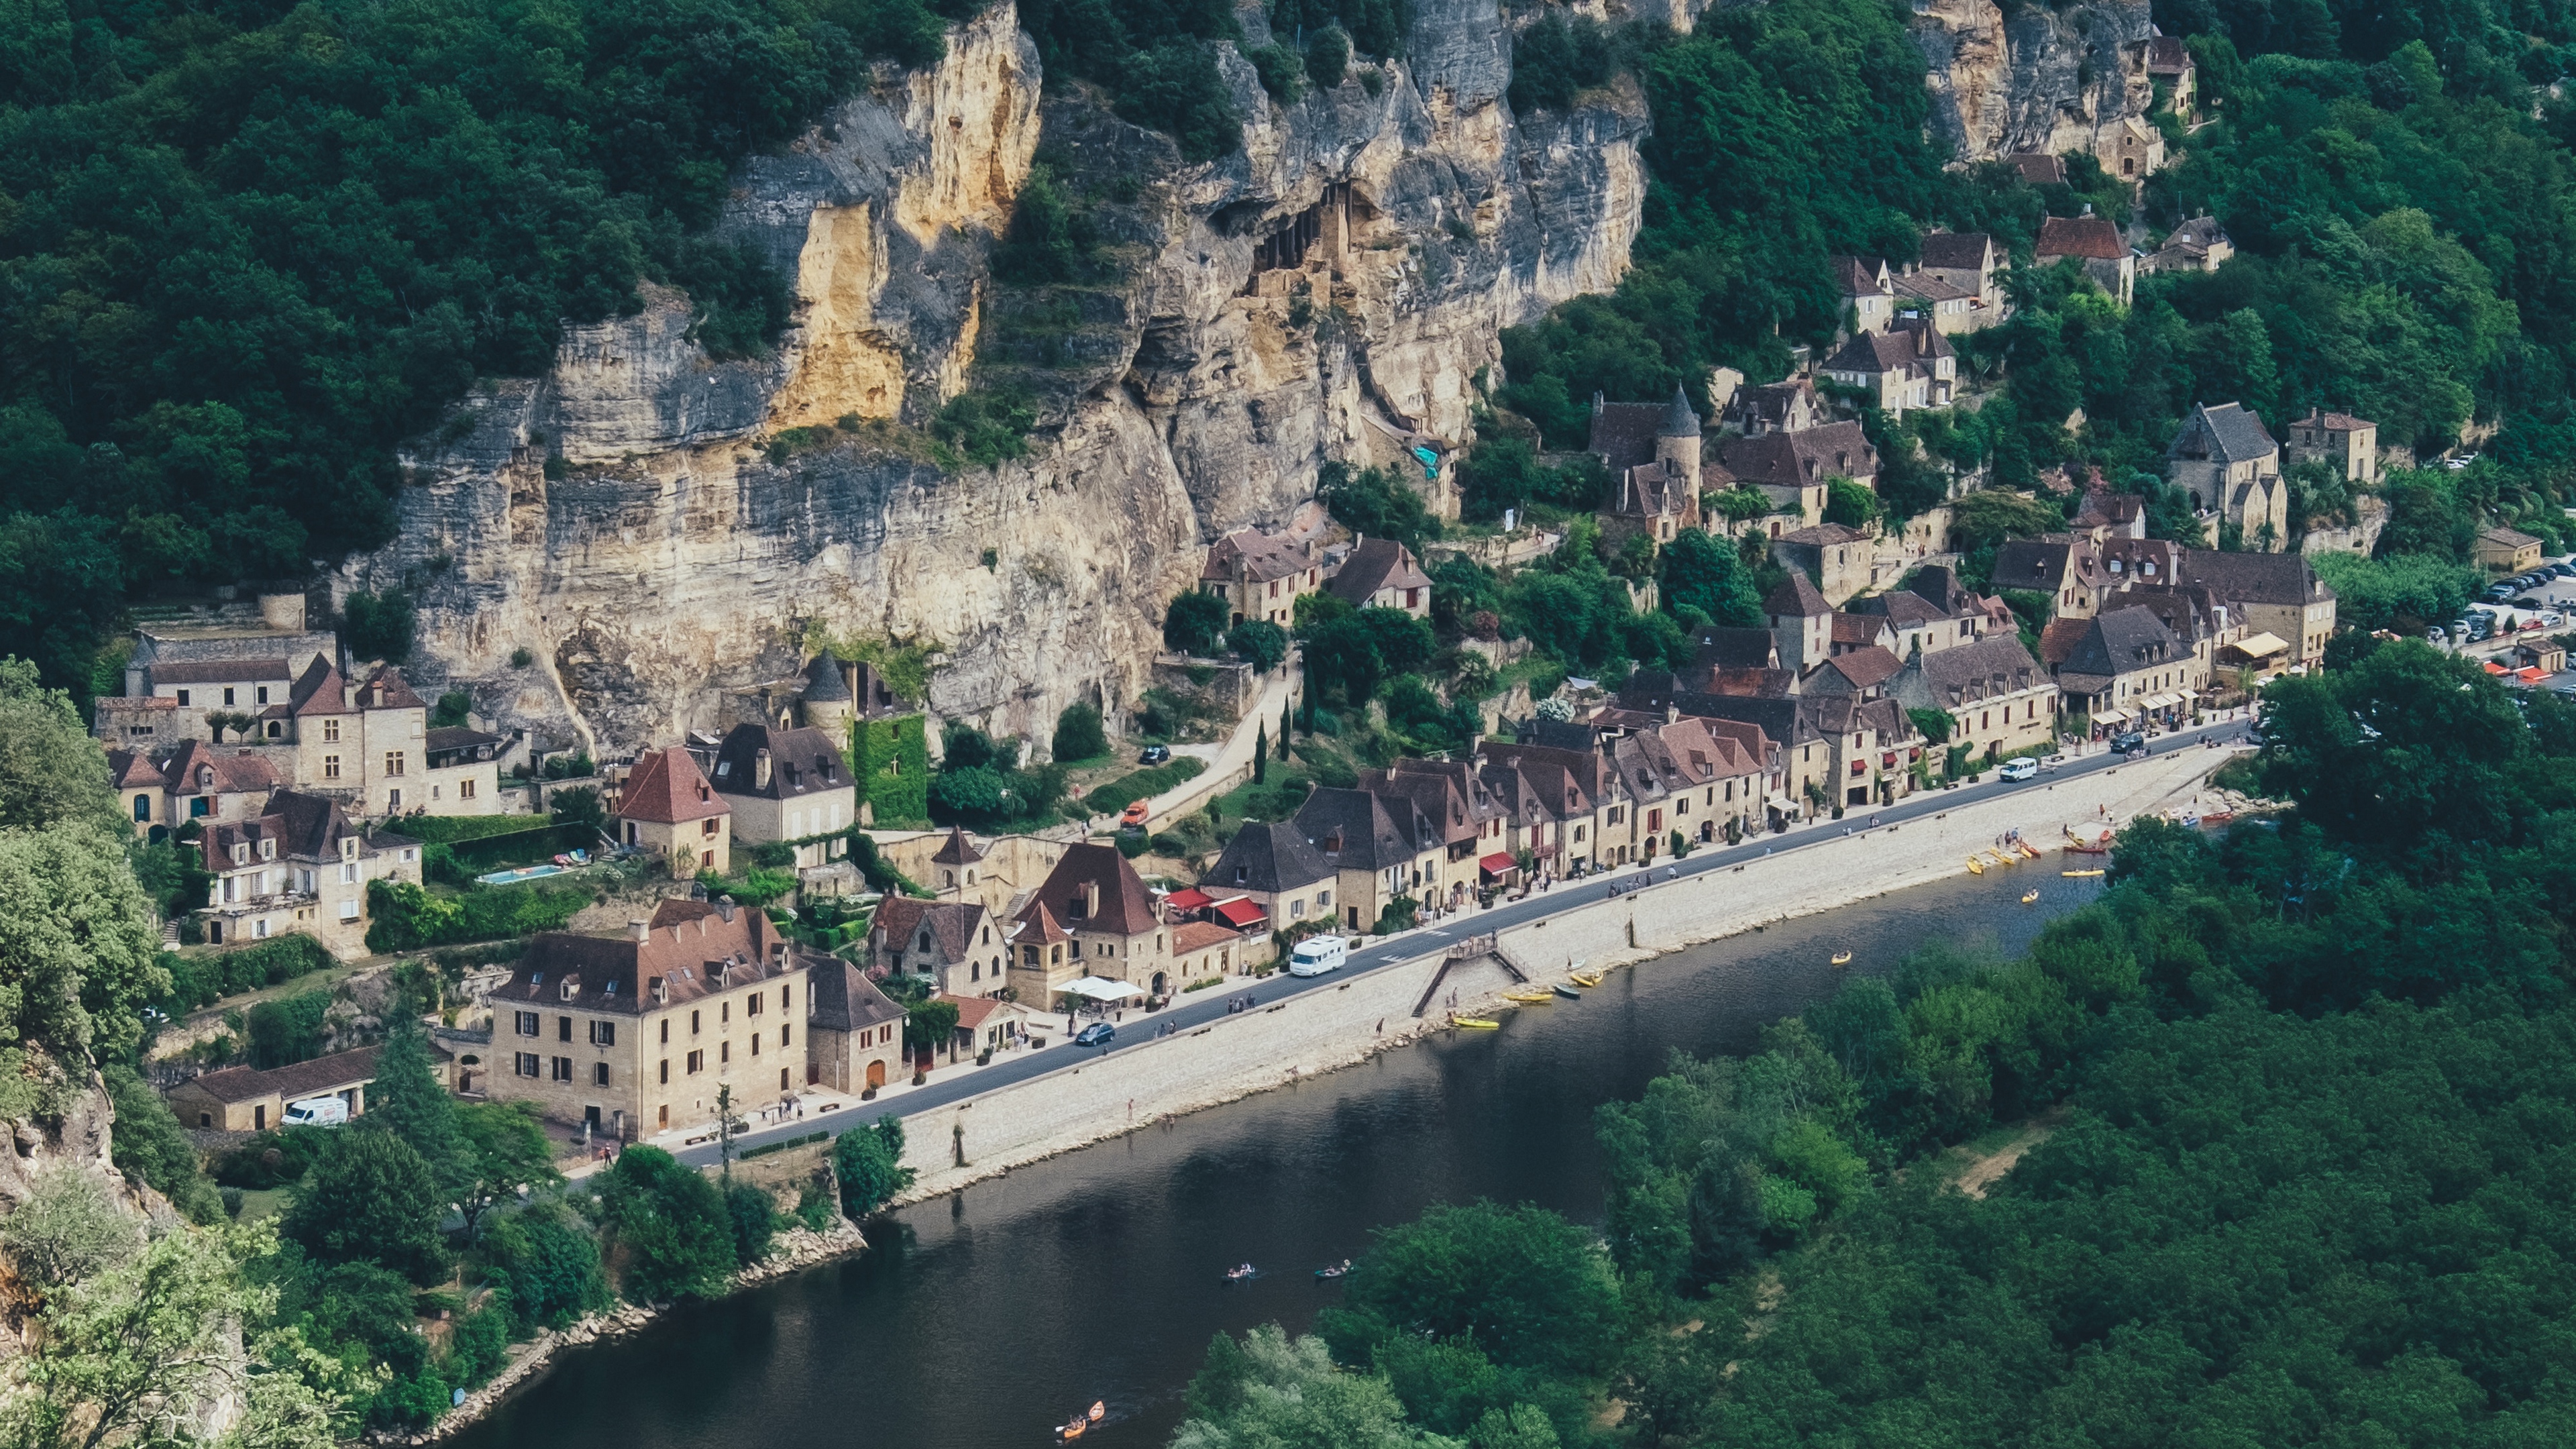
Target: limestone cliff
x: 644, y: 521
x: 2031, y: 78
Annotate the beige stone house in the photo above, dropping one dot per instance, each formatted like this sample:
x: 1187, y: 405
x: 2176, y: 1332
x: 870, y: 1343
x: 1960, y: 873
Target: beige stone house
x: 667, y: 809
x: 1909, y: 365
x: 2130, y: 149
x: 2276, y: 594
x: 1839, y: 558
x: 1969, y: 261
x: 1091, y: 916
x: 1868, y: 292
x: 464, y: 770
x: 241, y: 1099
x: 2225, y: 459
x: 2348, y: 444
x: 635, y: 1033
x: 1380, y: 847
x: 2504, y: 551
x: 301, y: 865
x: 853, y: 1031
x: 956, y: 945
x: 786, y: 785
x: 2123, y: 668
x: 1261, y: 575
x: 1274, y: 866
x: 1996, y: 695
x: 1382, y: 574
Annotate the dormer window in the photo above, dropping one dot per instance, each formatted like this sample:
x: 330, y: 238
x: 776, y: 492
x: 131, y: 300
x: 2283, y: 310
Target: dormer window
x: 241, y: 853
x: 268, y: 850
x: 570, y: 989
x: 702, y: 793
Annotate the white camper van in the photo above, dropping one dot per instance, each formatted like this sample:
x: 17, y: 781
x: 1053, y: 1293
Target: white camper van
x: 1318, y: 954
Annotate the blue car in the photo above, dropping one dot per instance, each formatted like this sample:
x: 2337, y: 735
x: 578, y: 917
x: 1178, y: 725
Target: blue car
x: 1099, y: 1033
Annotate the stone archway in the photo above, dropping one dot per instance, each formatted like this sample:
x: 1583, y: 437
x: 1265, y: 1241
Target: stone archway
x: 1161, y: 983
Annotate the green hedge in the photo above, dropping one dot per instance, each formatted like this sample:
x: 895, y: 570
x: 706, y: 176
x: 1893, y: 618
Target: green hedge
x: 890, y: 761
x: 403, y: 917
x: 1120, y: 793
x: 449, y: 829
x: 522, y: 847
x: 202, y: 980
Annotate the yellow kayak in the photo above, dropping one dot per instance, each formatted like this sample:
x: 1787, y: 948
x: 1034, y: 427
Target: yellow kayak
x: 2030, y: 896
x: 1585, y: 978
x: 2079, y: 872
x: 1976, y: 866
x: 2000, y: 857
x: 1842, y: 958
x: 1477, y: 1022
x: 1529, y: 998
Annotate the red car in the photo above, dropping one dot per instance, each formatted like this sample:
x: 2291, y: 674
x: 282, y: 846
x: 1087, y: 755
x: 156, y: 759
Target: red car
x: 1134, y: 814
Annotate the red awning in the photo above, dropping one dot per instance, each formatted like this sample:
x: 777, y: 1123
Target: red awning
x: 1498, y: 862
x: 1240, y: 912
x: 2494, y: 668
x: 1191, y: 898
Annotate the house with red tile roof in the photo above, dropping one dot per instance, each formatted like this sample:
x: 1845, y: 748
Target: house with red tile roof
x: 2096, y: 243
x: 667, y: 808
x: 1091, y: 916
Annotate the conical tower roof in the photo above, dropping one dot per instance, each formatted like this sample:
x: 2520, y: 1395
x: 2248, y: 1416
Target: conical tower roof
x: 1679, y: 421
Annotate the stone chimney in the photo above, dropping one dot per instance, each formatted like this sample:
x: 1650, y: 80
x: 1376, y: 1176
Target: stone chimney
x: 642, y: 931
x: 760, y: 770
x: 724, y: 908
x: 1090, y: 899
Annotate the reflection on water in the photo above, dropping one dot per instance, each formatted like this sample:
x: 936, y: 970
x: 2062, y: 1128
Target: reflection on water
x: 983, y: 1319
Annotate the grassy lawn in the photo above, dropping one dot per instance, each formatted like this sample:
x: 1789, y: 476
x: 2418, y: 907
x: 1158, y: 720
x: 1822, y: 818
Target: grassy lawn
x: 264, y: 1202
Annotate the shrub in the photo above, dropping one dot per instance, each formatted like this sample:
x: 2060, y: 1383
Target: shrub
x: 753, y: 1215
x: 1194, y: 622
x: 868, y: 1161
x: 986, y: 426
x: 377, y: 626
x: 1078, y: 734
x: 1328, y: 57
x: 1279, y: 69
x: 549, y: 1264
x: 672, y: 1229
x: 405, y: 917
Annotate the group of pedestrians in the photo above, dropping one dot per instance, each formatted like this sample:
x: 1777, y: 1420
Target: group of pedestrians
x: 1245, y: 1002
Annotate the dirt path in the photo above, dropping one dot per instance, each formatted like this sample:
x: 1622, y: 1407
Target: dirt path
x: 1974, y: 1167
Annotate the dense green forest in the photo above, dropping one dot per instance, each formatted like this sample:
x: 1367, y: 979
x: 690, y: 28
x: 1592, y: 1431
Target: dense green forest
x: 2296, y: 1102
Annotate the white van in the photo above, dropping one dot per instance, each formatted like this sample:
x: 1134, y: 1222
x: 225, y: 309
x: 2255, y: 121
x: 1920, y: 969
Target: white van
x: 316, y: 1112
x: 1317, y: 955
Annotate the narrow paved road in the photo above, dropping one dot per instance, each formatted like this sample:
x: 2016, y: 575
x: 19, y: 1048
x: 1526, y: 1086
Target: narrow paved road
x: 1428, y: 940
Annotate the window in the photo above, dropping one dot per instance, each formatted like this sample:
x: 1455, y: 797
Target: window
x: 752, y: 1006
x: 393, y: 763
x: 330, y: 732
x: 724, y: 1011
x: 527, y: 1064
x: 348, y: 910
x: 1323, y: 900
x: 563, y: 1027
x: 183, y: 699
x: 261, y: 696
x: 666, y: 1071
x: 693, y: 1023
x: 143, y: 807
x: 348, y: 872
x: 330, y: 767
x: 603, y: 1033
x: 259, y: 929
x: 755, y: 1043
x: 709, y: 826
x: 599, y: 1074
x: 563, y: 1069
x: 724, y: 1051
x: 786, y: 1033
x: 465, y: 789
x: 666, y: 1031
x: 786, y: 999
x: 528, y: 1025
x: 697, y: 1062
x: 1296, y: 910
x: 228, y: 696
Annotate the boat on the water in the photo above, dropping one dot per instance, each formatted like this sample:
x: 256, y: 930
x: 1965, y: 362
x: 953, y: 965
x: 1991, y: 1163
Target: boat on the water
x: 1072, y: 1431
x: 1475, y: 1023
x: 2031, y: 896
x: 1334, y: 1270
x: 1568, y: 992
x: 1842, y: 958
x: 1239, y: 1272
x: 1098, y: 1408
x: 2079, y: 872
x: 1529, y: 998
x: 2028, y: 850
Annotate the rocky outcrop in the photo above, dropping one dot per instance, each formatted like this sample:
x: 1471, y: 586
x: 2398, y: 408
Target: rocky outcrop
x: 2031, y: 77
x: 656, y: 527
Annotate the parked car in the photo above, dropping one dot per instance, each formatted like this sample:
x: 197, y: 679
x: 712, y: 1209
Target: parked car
x: 2551, y: 618
x: 1155, y: 755
x: 2021, y: 769
x: 2435, y: 635
x: 2562, y: 571
x: 2528, y: 601
x: 1134, y: 815
x: 2132, y: 743
x: 1099, y: 1033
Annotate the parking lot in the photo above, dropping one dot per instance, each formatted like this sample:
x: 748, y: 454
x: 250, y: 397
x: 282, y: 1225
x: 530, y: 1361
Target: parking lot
x: 2508, y: 608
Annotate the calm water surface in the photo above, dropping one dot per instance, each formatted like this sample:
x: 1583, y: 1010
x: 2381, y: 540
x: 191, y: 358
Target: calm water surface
x: 982, y: 1319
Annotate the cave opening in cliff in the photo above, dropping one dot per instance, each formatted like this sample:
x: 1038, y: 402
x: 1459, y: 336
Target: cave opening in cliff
x: 1324, y: 225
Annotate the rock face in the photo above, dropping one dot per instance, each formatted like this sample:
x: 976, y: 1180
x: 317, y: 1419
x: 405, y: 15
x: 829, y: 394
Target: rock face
x: 650, y: 525
x: 2035, y: 78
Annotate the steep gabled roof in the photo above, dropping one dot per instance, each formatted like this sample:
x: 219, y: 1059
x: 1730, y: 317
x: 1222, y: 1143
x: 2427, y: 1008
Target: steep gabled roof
x: 2039, y: 168
x: 2254, y: 578
x: 197, y: 768
x: 2226, y: 433
x: 1797, y: 597
x: 691, y: 949
x: 2093, y: 238
x: 1986, y: 669
x: 1267, y: 858
x: 1623, y: 433
x: 900, y: 921
x: 839, y: 997
x: 957, y: 850
x: 1958, y: 251
x: 1863, y: 669
x: 1088, y: 869
x: 1718, y: 648
x: 319, y: 690
x: 132, y: 770
x: 1378, y: 563
x: 387, y: 689
x: 1254, y: 556
x: 802, y: 762
x: 666, y: 788
x: 824, y: 683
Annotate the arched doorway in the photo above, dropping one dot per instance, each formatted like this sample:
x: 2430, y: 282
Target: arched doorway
x: 1159, y: 980
x: 876, y: 1072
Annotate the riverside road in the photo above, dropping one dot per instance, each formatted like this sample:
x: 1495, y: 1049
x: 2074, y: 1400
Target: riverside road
x: 1430, y: 939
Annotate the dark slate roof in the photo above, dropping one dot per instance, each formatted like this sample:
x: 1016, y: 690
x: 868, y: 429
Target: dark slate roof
x: 1356, y: 830
x: 1986, y: 669
x: 1378, y: 563
x: 1858, y: 276
x: 802, y: 761
x: 1260, y: 557
x: 823, y: 681
x: 2226, y: 433
x: 457, y: 737
x: 1267, y: 858
x: 1624, y: 433
x: 1805, y: 456
x: 1797, y: 597
x: 2090, y: 237
x: 1937, y: 585
x: 1735, y: 649
x: 1679, y: 421
x: 218, y: 671
x: 2166, y: 55
x: 2254, y: 578
x: 900, y: 920
x: 2122, y: 642
x: 690, y: 949
x: 2039, y: 168
x: 839, y: 997
x: 186, y: 769
x: 2033, y: 563
x: 1901, y: 609
x: 1957, y: 251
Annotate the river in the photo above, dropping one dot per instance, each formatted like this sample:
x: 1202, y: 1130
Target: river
x: 980, y: 1320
